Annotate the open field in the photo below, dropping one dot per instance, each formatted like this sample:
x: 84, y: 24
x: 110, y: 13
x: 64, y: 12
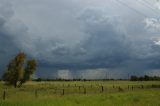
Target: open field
x: 80, y: 93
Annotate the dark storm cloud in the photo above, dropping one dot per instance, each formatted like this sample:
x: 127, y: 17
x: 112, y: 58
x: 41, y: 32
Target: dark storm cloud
x: 106, y: 46
x: 81, y: 38
x: 8, y: 45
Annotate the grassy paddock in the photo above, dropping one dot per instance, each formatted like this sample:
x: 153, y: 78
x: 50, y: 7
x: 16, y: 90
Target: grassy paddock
x: 79, y: 93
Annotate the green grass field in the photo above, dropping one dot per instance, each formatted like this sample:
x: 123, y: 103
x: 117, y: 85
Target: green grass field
x: 79, y: 93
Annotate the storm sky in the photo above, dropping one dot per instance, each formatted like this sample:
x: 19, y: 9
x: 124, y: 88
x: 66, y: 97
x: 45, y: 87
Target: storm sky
x: 83, y: 38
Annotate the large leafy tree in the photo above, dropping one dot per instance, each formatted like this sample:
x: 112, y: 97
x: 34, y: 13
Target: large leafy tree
x: 19, y: 70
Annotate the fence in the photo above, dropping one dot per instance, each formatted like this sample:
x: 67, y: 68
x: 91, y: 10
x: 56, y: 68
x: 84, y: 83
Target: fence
x: 82, y: 89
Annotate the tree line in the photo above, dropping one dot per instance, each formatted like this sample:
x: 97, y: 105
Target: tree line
x: 145, y: 78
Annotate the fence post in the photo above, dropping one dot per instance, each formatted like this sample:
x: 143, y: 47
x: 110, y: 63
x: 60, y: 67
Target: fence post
x: 4, y: 95
x: 63, y: 92
x: 120, y: 89
x: 128, y: 87
x: 36, y: 93
x: 152, y: 86
x: 142, y: 87
x: 84, y: 90
x: 132, y: 87
x: 102, y: 89
x: 79, y: 88
x: 55, y: 90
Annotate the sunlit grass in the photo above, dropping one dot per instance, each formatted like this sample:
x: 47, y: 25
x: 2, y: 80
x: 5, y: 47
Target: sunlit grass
x: 47, y: 96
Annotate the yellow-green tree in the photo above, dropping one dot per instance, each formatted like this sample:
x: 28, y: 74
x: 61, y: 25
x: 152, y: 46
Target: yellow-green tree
x: 19, y: 70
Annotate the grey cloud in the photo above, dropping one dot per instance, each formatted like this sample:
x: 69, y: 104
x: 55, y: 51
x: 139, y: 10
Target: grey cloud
x: 8, y: 31
x: 106, y: 44
x: 79, y: 36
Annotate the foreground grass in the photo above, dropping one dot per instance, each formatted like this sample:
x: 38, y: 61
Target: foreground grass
x: 137, y: 97
x: 134, y: 98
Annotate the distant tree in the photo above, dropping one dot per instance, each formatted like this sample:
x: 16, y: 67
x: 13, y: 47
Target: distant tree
x: 145, y: 78
x: 19, y: 70
x: 140, y: 78
x: 134, y: 78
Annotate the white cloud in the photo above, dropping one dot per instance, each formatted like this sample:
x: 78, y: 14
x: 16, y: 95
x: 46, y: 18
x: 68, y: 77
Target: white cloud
x: 157, y: 4
x: 153, y: 24
x: 155, y: 72
x: 157, y: 42
x: 94, y: 74
x: 64, y: 74
x: 102, y: 73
